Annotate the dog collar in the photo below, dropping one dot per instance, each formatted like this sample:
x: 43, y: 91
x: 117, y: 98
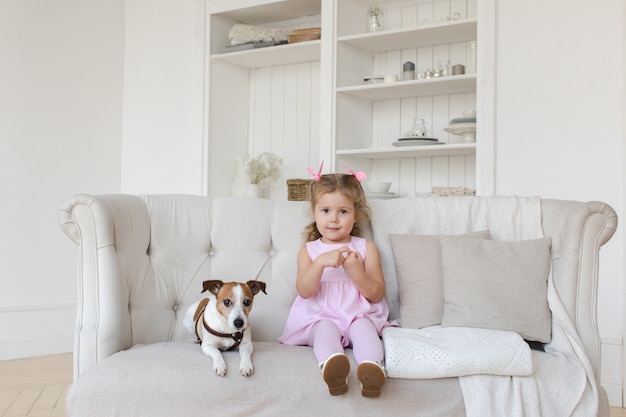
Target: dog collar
x: 199, y: 314
x: 237, y: 336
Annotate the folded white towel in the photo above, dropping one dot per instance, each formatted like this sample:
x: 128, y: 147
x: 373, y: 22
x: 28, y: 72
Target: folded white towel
x: 441, y: 352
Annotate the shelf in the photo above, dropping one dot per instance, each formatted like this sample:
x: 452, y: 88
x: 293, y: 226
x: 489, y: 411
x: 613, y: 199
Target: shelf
x: 454, y: 84
x: 259, y: 12
x: 292, y: 53
x: 436, y: 34
x: 410, y: 151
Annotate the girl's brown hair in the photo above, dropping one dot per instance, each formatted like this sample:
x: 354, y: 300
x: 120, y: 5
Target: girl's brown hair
x: 349, y: 186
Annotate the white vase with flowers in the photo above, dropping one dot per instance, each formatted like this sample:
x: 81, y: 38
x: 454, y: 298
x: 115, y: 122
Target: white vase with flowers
x: 262, y: 171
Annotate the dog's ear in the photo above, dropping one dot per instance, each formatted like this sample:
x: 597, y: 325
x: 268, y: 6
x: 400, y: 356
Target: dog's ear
x: 256, y: 286
x: 213, y: 286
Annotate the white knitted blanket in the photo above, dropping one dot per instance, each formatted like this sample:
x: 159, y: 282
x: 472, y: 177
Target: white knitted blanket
x: 563, y: 384
x: 442, y: 352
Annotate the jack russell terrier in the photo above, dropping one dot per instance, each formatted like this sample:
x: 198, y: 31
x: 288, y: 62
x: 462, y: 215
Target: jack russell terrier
x: 220, y: 322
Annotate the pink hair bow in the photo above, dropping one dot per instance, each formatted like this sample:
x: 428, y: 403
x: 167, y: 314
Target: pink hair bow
x: 318, y: 174
x: 360, y: 175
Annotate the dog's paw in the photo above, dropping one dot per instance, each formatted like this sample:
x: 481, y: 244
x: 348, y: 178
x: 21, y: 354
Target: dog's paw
x: 219, y: 367
x: 246, y: 369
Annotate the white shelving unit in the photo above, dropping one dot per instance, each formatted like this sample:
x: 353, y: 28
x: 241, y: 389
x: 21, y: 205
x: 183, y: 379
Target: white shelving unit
x: 370, y: 117
x: 265, y: 99
x: 308, y: 101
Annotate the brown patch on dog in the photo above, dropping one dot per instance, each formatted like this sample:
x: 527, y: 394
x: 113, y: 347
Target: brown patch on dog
x: 212, y: 286
x: 200, y: 309
x: 256, y: 286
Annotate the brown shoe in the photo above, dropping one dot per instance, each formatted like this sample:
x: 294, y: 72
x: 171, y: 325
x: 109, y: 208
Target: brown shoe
x: 372, y: 379
x: 335, y: 371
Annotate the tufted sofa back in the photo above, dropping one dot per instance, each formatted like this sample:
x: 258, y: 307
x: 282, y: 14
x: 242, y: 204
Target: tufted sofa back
x: 160, y: 249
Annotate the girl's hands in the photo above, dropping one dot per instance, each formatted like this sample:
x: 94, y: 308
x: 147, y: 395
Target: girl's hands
x: 367, y: 275
x: 353, y: 263
x: 335, y: 258
x: 310, y: 272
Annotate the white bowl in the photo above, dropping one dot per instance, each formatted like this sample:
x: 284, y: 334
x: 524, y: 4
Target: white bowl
x: 376, y: 186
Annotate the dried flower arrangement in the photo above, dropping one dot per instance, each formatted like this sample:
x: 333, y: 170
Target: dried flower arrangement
x: 264, y: 168
x: 374, y: 11
x: 375, y: 15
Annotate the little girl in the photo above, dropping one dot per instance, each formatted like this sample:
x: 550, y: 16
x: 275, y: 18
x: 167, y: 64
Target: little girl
x: 340, y: 287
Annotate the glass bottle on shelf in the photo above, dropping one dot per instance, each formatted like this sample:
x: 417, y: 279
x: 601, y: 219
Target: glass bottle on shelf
x: 418, y: 130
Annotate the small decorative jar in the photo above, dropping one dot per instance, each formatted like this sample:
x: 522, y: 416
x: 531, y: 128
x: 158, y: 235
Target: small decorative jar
x: 408, y: 71
x: 418, y: 130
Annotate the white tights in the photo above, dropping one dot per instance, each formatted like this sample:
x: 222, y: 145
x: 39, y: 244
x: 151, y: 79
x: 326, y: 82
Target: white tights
x: 326, y: 340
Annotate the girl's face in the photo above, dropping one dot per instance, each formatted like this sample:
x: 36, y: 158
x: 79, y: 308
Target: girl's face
x: 334, y: 217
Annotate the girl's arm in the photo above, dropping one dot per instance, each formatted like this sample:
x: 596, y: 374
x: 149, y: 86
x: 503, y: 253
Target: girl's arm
x: 310, y: 272
x: 367, y: 276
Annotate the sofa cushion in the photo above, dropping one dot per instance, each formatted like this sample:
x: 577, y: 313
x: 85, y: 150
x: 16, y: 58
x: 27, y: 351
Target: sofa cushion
x: 497, y: 285
x: 506, y: 217
x: 176, y: 379
x: 420, y: 282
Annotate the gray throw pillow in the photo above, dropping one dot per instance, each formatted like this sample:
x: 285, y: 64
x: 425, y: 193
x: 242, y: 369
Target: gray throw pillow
x: 497, y: 285
x: 418, y: 267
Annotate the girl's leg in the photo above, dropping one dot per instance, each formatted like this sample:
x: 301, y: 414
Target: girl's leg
x: 326, y: 341
x: 366, y: 344
x: 368, y: 352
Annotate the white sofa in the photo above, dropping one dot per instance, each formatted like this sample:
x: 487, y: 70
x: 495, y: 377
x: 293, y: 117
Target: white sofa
x: 142, y: 260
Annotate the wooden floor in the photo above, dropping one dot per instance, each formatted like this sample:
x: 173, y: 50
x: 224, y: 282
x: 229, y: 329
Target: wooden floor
x: 37, y: 387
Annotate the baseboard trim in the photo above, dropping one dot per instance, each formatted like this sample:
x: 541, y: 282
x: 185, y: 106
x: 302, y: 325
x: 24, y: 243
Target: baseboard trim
x: 614, y: 392
x: 37, y: 329
x: 612, y: 372
x: 20, y: 349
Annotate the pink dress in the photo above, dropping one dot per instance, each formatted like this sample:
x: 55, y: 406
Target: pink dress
x: 337, y: 299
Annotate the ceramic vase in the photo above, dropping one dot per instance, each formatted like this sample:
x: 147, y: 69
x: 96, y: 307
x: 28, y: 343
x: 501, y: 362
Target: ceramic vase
x: 254, y: 190
x: 241, y: 181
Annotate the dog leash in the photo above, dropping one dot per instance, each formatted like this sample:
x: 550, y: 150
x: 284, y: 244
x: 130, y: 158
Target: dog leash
x: 199, y: 314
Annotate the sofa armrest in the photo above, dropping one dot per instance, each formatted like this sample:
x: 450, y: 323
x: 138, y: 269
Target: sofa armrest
x: 104, y: 228
x: 578, y: 231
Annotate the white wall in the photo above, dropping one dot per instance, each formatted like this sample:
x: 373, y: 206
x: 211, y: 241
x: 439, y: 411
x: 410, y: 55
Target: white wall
x: 560, y: 126
x: 162, y: 146
x: 60, y: 130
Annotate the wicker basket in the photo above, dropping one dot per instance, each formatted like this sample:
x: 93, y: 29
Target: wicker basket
x: 299, y: 190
